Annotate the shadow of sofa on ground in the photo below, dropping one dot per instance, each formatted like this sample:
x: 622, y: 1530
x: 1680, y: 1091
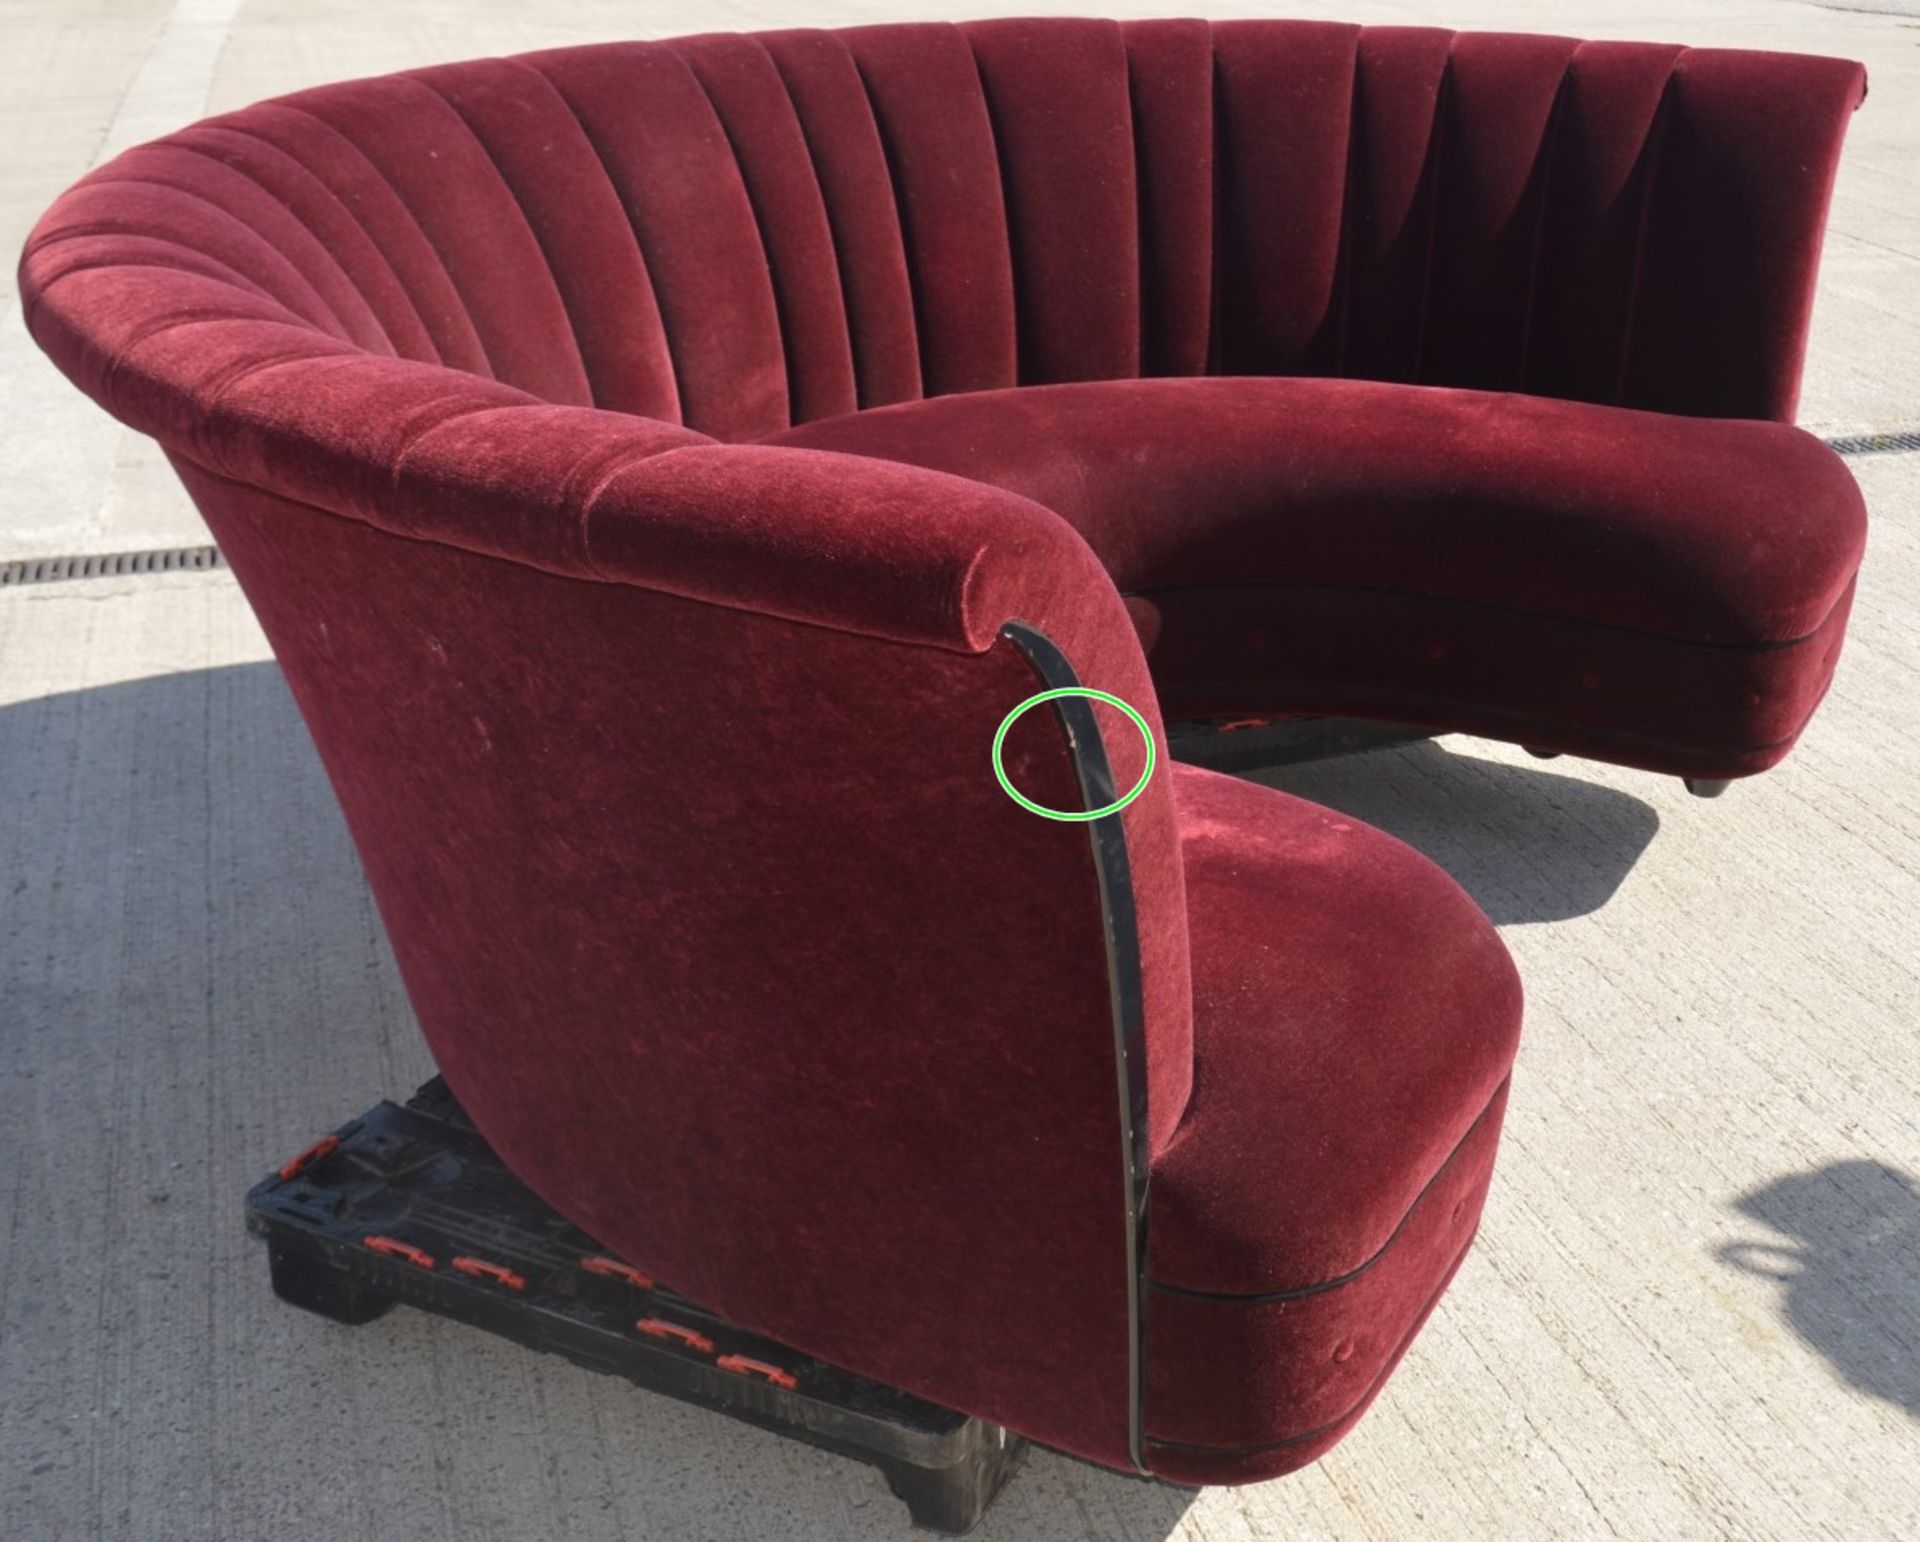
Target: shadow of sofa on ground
x: 1528, y: 845
x: 1850, y: 1269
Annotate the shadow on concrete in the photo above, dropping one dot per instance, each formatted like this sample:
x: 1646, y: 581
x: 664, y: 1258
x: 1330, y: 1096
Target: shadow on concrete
x: 195, y: 983
x: 1850, y: 1269
x: 1529, y: 845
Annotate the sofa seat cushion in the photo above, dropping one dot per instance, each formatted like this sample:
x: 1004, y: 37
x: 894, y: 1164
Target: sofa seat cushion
x: 1355, y: 1020
x: 1655, y: 589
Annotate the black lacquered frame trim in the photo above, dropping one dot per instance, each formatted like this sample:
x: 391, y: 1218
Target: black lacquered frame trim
x: 1121, y: 923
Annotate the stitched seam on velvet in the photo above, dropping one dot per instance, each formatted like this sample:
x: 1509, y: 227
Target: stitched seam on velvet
x: 519, y: 208
x: 339, y: 268
x: 262, y: 366
x: 305, y: 229
x: 652, y: 296
x: 373, y: 236
x: 955, y: 606
x: 590, y: 503
x: 453, y: 284
x: 1138, y: 254
x: 1006, y: 212
x: 1765, y: 646
x: 1436, y: 148
x: 1519, y: 720
x: 513, y: 193
x: 1343, y: 244
x: 1653, y: 153
x: 118, y: 364
x: 862, y: 392
x: 1549, y: 149
x: 229, y: 126
x: 1300, y: 1292
x: 252, y: 234
x: 1216, y: 202
x: 1367, y: 1394
x: 679, y: 417
x: 397, y: 460
x: 957, y: 597
x: 1270, y: 363
x: 239, y: 279
x: 1144, y: 343
x: 889, y: 154
x: 782, y: 320
x: 618, y: 458
x: 303, y: 501
x: 194, y: 315
x: 242, y: 373
x: 1157, y: 346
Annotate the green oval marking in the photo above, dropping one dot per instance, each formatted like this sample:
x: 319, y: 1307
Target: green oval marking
x: 1013, y: 792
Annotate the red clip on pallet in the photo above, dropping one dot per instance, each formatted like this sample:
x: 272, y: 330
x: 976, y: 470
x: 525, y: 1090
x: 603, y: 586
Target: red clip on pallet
x: 411, y: 1204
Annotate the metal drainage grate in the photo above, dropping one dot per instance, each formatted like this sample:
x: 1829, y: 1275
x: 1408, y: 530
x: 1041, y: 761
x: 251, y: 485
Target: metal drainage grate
x: 53, y: 570
x: 1894, y: 442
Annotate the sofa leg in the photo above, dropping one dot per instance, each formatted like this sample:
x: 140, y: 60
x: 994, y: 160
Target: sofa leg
x: 1541, y: 754
x: 1706, y: 787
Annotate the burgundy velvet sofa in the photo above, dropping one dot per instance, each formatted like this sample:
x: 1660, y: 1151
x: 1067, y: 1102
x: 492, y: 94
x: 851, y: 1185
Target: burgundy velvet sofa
x: 660, y: 467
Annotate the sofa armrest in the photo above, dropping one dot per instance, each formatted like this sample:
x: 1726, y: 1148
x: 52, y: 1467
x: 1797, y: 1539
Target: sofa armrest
x: 846, y: 541
x: 872, y: 547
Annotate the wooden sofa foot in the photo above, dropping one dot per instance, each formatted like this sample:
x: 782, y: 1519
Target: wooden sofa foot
x: 1706, y: 787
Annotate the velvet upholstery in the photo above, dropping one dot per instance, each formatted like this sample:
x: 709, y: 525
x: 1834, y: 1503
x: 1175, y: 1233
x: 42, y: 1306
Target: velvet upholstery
x: 634, y: 452
x: 1259, y: 1255
x: 1650, y: 589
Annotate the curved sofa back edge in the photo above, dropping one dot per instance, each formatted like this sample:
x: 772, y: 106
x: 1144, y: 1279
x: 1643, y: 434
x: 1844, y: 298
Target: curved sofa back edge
x: 254, y: 395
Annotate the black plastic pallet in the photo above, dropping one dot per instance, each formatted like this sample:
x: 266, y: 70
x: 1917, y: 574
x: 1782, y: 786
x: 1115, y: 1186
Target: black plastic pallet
x: 411, y: 1205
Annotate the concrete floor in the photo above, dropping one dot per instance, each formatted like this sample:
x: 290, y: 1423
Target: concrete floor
x: 1695, y: 1307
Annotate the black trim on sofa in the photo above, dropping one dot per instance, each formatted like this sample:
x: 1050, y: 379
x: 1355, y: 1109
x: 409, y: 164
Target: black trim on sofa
x: 1121, y: 924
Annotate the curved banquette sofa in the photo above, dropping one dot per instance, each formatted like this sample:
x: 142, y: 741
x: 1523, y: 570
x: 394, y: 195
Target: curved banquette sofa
x: 660, y: 468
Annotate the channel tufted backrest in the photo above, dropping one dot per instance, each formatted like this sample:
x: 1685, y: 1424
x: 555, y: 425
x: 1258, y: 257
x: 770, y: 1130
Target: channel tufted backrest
x: 738, y: 233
